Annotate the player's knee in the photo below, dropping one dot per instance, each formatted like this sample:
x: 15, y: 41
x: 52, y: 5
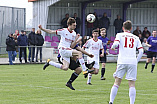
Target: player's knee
x: 65, y: 68
x: 80, y: 54
x: 78, y: 71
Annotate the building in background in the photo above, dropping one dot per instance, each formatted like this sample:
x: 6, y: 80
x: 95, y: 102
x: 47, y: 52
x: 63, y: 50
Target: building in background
x: 11, y: 19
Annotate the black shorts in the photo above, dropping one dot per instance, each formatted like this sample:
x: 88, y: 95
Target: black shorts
x: 73, y: 65
x: 103, y: 59
x: 151, y: 54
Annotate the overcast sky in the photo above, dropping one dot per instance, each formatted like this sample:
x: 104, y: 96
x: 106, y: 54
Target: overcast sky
x: 20, y: 4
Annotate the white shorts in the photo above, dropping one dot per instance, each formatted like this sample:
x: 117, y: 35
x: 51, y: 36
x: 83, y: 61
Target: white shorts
x: 129, y: 69
x: 96, y: 59
x: 65, y: 53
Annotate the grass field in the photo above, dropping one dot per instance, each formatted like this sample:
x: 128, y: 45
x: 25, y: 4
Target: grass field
x: 29, y: 84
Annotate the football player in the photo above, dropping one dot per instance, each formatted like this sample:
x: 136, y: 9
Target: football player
x: 94, y: 46
x: 104, y: 40
x: 152, y: 51
x: 67, y: 42
x: 127, y: 60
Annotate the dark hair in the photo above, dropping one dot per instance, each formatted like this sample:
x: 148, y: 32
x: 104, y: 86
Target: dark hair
x: 70, y: 21
x: 127, y: 25
x: 95, y: 30
x: 103, y: 29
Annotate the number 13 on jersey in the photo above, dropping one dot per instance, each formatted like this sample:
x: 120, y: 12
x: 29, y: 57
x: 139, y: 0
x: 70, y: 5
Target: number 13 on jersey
x: 129, y: 42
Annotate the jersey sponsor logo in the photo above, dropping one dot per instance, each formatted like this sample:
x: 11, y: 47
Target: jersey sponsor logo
x: 68, y: 40
x: 104, y: 44
x: 95, y: 48
x: 154, y: 41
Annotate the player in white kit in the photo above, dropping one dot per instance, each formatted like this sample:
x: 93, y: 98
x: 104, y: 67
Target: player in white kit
x: 68, y: 41
x: 127, y: 60
x: 94, y: 46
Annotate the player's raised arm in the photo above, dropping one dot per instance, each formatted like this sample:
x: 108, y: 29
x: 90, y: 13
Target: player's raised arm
x: 47, y: 30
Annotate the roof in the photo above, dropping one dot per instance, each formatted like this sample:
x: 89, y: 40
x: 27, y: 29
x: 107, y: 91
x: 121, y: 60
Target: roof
x: 90, y: 1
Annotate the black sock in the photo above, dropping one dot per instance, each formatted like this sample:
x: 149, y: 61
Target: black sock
x: 73, y: 77
x: 102, y: 72
x: 153, y: 65
x: 146, y: 64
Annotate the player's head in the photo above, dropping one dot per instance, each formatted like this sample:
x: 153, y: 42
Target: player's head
x: 95, y: 33
x: 103, y: 32
x: 154, y: 33
x: 71, y: 23
x: 127, y: 25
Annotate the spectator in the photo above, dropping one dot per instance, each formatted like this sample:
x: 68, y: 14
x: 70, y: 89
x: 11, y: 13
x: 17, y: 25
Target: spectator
x: 22, y: 41
x: 32, y: 42
x: 137, y: 31
x: 118, y: 23
x: 96, y: 22
x: 84, y: 40
x: 40, y: 42
x: 77, y: 19
x: 17, y: 32
x: 10, y: 42
x: 104, y: 22
x: 146, y: 33
x: 15, y: 38
x: 64, y: 21
x: 145, y: 47
x: 89, y: 28
x: 140, y: 37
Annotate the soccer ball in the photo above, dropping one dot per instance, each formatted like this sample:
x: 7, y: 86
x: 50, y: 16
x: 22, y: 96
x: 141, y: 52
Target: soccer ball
x: 90, y: 18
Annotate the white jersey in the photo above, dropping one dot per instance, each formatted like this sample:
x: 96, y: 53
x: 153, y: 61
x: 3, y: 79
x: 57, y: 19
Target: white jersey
x: 127, y: 47
x: 67, y: 37
x: 94, y: 48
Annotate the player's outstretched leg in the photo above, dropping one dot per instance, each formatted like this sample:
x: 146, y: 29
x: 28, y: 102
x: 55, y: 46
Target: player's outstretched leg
x: 49, y: 62
x: 46, y: 64
x: 89, y: 66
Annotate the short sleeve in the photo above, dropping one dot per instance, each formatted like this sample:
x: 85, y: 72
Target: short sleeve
x: 148, y: 40
x: 117, y: 38
x: 59, y: 32
x: 87, y: 44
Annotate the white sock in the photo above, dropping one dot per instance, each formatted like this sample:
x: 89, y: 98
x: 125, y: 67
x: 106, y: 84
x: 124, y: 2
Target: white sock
x: 81, y: 60
x: 113, y: 93
x: 89, y: 78
x: 132, y: 94
x: 55, y: 64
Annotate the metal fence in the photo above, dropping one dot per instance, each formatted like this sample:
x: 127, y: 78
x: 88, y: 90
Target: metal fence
x: 50, y: 52
x: 11, y: 19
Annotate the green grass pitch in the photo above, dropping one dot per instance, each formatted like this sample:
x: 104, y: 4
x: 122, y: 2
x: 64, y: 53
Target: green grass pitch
x: 29, y: 84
